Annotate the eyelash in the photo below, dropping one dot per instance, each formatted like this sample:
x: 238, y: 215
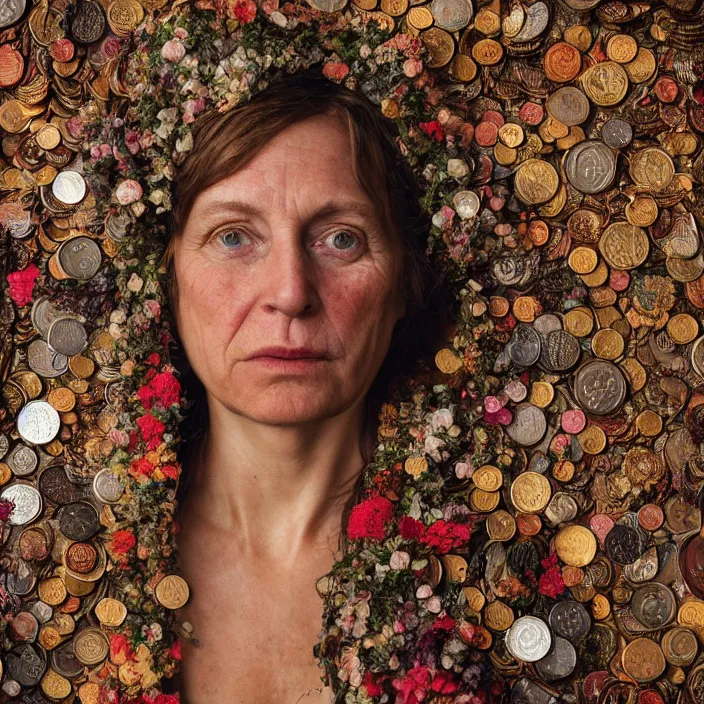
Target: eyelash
x: 218, y: 238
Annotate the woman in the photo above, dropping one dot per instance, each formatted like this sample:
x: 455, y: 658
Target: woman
x: 300, y: 289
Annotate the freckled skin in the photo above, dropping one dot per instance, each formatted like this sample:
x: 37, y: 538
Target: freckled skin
x: 237, y: 300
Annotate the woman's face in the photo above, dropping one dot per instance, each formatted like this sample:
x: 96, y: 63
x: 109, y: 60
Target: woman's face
x: 288, y: 252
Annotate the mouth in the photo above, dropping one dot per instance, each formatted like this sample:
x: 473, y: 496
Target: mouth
x: 289, y: 365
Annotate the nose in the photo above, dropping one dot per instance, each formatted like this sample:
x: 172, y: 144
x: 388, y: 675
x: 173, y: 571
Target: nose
x: 288, y: 279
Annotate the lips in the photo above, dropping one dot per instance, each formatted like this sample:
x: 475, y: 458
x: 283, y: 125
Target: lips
x: 288, y: 353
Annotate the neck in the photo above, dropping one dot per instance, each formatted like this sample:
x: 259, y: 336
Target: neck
x: 278, y: 491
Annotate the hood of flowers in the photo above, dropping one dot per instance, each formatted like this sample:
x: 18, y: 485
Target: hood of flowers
x: 388, y: 631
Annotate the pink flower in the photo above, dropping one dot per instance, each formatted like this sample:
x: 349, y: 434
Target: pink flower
x: 153, y: 308
x: 412, y: 67
x: 129, y: 191
x: 173, y: 50
x: 335, y: 70
x: 269, y: 6
x: 22, y: 285
x: 132, y: 139
x: 244, y: 10
x: 413, y: 686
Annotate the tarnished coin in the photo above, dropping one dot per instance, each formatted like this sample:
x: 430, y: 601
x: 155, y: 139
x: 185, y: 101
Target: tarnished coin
x: 44, y: 361
x: 623, y: 544
x: 559, y: 351
x: 88, y: 22
x: 69, y: 187
x: 616, y: 133
x: 569, y: 619
x: 559, y: 662
x: 11, y: 11
x: 590, y: 166
x: 91, y: 646
x: 107, y: 486
x: 67, y: 336
x: 80, y: 258
x: 654, y: 605
x: 64, y: 660
x: 42, y: 314
x: 172, y: 591
x: 79, y: 521
x: 652, y: 168
x: 26, y: 664
x: 524, y: 346
x: 38, y: 422
x: 536, y: 21
x: 27, y: 500
x: 599, y: 387
x: 680, y: 646
x: 528, y: 425
x: 452, y: 15
x: 56, y: 487
x: 22, y: 460
x: 568, y: 105
x: 81, y: 557
x: 4, y: 445
x: 529, y: 639
x: 643, y: 660
x: 624, y: 246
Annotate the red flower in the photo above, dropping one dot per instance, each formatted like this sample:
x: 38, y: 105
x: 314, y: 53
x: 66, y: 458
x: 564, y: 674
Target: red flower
x: 22, y: 285
x: 369, y: 518
x: 120, y: 645
x: 122, y: 541
x: 6, y: 509
x: 373, y: 687
x: 411, y: 528
x: 170, y: 471
x: 153, y: 359
x: 433, y: 129
x: 412, y: 687
x: 551, y: 583
x: 447, y: 535
x: 244, y: 10
x: 335, y: 70
x: 444, y: 683
x: 175, y: 649
x: 151, y: 428
x: 163, y: 389
x: 142, y: 466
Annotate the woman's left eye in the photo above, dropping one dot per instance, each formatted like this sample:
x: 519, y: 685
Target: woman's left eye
x: 341, y: 236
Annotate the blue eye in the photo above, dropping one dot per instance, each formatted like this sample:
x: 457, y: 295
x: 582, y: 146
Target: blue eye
x: 231, y: 238
x: 350, y: 237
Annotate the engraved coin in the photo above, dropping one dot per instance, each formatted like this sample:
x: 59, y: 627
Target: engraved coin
x: 27, y: 500
x: 107, y: 486
x: 654, y: 605
x: 22, y: 460
x: 623, y: 544
x: 172, y: 591
x: 569, y: 619
x: 536, y: 181
x: 42, y: 314
x: 38, y: 422
x: 529, y: 639
x: 528, y: 425
x: 680, y: 646
x: 91, y: 646
x: 11, y: 11
x: 67, y: 336
x: 617, y: 133
x: 78, y: 521
x: 44, y: 361
x: 590, y: 166
x: 559, y: 662
x: 80, y: 258
x: 69, y: 187
x: 452, y: 15
x: 56, y: 487
x: 524, y: 346
x: 559, y: 351
x: 568, y: 105
x: 88, y: 23
x: 26, y: 664
x: 599, y: 387
x: 4, y: 445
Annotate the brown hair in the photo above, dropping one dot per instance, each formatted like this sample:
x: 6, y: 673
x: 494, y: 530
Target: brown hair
x: 225, y: 142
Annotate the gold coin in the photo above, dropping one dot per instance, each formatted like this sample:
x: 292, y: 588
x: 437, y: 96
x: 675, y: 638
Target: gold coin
x: 592, y: 439
x: 395, y: 8
x: 642, y: 211
x: 575, y: 545
x: 48, y: 137
x: 500, y: 525
x: 643, y: 660
x: 525, y: 308
x: 542, y: 394
x: 55, y: 686
x: 635, y: 373
x: 649, y: 423
x: 530, y: 492
x: 45, y: 175
x: 511, y: 134
x: 621, y: 48
x: 420, y: 17
x: 487, y: 22
x: 484, y: 501
x: 447, y: 361
x: 172, y: 591
x: 555, y: 128
x: 652, y: 168
x: 536, y: 181
x: 505, y: 155
x: 455, y: 567
x: 30, y: 382
x: 110, y: 612
x: 598, y: 276
x: 643, y: 67
x: 90, y: 646
x: 624, y: 246
x: 601, y: 608
x: 89, y: 693
x: 563, y: 470
x: 82, y: 367
x: 579, y: 321
x: 583, y: 260
x: 691, y: 613
x: 440, y: 45
x: 605, y: 83
x: 62, y: 399
x: 49, y: 637
x: 464, y: 68
x: 475, y: 599
x: 682, y: 328
x: 579, y: 36
x: 487, y: 52
x: 608, y: 344
x: 498, y: 616
x: 488, y: 478
x: 52, y: 591
x: 124, y: 15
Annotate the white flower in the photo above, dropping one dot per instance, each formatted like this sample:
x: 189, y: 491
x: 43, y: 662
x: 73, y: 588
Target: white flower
x: 434, y: 605
x: 458, y: 168
x: 173, y: 51
x: 157, y: 196
x: 432, y: 446
x: 118, y: 316
x: 129, y: 191
x: 135, y: 283
x: 138, y: 208
x: 442, y: 418
x: 424, y: 591
x: 381, y: 570
x: 185, y: 144
x: 278, y: 18
x: 400, y: 560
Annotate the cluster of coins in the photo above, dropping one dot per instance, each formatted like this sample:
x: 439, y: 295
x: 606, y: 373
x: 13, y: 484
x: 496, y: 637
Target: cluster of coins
x: 60, y: 378
x: 584, y: 189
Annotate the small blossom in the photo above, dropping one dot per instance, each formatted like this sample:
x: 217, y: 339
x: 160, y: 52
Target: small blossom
x: 22, y: 284
x: 173, y: 50
x: 399, y: 560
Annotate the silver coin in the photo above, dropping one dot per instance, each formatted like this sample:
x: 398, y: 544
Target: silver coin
x: 569, y: 619
x: 528, y: 425
x: 11, y: 687
x: 116, y: 225
x: 11, y: 11
x: 590, y: 166
x: 697, y: 355
x: 559, y: 662
x: 23, y: 580
x: 524, y: 346
x: 654, y: 605
x: 561, y: 509
x: 559, y: 351
x: 43, y: 612
x: 466, y: 203
x: 43, y: 361
x: 529, y: 639
x: 644, y: 568
x: 617, y: 133
x: 22, y: 461
x: 27, y: 500
x: 537, y: 16
x: 451, y: 15
x: 19, y: 226
x: 69, y: 187
x: 548, y: 322
x: 4, y: 445
x: 599, y: 387
x: 67, y: 336
x: 525, y: 691
x: 38, y: 422
x: 80, y: 258
x: 107, y: 486
x: 42, y: 315
x: 685, y: 270
x: 568, y: 105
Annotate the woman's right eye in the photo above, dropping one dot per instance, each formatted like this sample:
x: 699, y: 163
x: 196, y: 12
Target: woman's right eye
x: 231, y: 239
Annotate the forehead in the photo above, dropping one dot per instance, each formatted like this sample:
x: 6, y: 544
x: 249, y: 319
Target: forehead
x: 307, y: 166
